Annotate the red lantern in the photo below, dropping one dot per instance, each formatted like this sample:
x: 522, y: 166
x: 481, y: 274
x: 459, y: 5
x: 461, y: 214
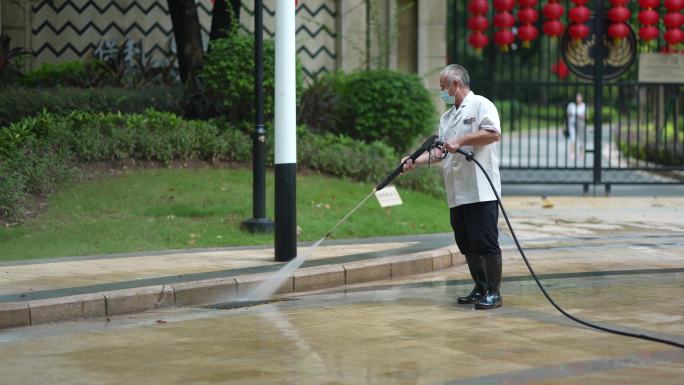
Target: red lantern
x: 649, y: 3
x: 478, y: 40
x: 579, y: 14
x: 648, y: 33
x: 674, y: 5
x: 527, y: 15
x: 673, y: 20
x: 619, y: 14
x: 553, y: 28
x: 504, y: 38
x: 578, y: 31
x: 477, y: 23
x: 674, y: 37
x: 560, y: 69
x: 648, y: 17
x: 618, y: 31
x: 553, y: 11
x: 478, y: 7
x: 503, y: 5
x: 527, y: 33
x: 504, y: 20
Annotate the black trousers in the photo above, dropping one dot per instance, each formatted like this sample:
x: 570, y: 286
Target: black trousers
x: 475, y: 228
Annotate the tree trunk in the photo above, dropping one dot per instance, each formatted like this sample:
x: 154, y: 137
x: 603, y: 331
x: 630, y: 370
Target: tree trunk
x: 223, y: 17
x: 187, y: 31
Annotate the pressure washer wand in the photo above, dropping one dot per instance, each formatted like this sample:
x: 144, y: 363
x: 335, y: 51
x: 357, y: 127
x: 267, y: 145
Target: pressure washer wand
x: 426, y: 146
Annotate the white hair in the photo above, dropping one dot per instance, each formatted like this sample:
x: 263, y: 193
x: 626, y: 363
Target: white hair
x: 456, y: 72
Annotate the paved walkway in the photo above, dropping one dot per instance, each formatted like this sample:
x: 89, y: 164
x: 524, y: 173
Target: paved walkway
x: 540, y: 227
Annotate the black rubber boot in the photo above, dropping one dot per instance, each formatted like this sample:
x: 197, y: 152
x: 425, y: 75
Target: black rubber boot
x: 475, y: 267
x: 492, y: 267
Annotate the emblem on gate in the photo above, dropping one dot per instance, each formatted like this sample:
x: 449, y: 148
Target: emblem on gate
x: 580, y: 56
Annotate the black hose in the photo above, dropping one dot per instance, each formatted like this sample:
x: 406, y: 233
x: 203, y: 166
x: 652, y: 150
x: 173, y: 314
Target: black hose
x: 470, y: 156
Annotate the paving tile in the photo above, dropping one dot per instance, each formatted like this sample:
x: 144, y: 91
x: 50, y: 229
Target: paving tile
x: 14, y: 314
x: 139, y: 299
x: 205, y: 292
x: 318, y: 278
x: 67, y: 308
x: 409, y: 265
x: 367, y: 271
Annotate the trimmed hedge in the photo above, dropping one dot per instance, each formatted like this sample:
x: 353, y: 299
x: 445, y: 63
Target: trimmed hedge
x: 19, y: 103
x: 44, y: 150
x: 68, y: 74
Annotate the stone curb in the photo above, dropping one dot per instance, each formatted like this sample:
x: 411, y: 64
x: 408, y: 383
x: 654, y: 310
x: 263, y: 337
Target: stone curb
x: 136, y: 300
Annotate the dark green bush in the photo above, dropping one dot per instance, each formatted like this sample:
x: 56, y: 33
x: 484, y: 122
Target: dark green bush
x: 19, y: 103
x: 228, y: 76
x: 68, y: 74
x: 370, y: 162
x: 34, y: 167
x: 317, y: 108
x: 12, y: 193
x: 384, y: 105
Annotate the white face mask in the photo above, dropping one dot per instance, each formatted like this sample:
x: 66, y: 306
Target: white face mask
x: 448, y: 99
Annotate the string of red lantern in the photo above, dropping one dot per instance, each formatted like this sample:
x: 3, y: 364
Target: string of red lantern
x: 478, y: 23
x: 526, y: 16
x: 648, y: 18
x: 618, y: 14
x: 553, y: 11
x: 673, y: 20
x: 579, y: 15
x: 504, y: 20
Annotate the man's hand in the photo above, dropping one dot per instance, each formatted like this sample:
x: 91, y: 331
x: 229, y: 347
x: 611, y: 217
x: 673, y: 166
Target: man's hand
x: 408, y: 164
x: 452, y: 145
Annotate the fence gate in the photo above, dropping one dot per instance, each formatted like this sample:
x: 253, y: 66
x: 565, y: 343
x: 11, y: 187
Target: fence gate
x: 632, y: 131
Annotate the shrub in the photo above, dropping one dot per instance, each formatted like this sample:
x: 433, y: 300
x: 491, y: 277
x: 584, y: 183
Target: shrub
x: 370, y: 162
x: 12, y: 193
x: 19, y: 103
x: 68, y: 74
x: 317, y: 105
x: 386, y: 106
x: 34, y: 167
x: 228, y: 76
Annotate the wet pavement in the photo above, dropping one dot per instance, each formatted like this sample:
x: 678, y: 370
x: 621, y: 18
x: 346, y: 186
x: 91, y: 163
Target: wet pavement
x: 400, y: 334
x: 397, y: 332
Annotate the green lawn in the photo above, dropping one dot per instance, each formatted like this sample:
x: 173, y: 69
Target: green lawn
x: 184, y: 208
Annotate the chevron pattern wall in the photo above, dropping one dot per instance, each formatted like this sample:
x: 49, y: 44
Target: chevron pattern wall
x: 316, y: 32
x: 65, y: 30
x: 72, y: 29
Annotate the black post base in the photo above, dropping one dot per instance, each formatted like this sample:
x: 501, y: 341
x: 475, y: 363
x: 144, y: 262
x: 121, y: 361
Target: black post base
x: 257, y: 225
x: 285, y: 212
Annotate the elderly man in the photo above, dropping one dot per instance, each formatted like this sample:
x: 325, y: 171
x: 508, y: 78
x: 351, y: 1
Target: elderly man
x: 472, y: 123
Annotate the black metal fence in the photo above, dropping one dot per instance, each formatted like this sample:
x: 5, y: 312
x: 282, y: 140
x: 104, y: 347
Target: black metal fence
x: 631, y: 133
